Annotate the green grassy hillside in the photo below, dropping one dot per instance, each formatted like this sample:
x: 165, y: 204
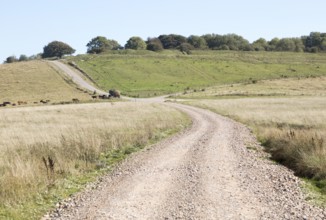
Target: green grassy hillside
x: 145, y: 73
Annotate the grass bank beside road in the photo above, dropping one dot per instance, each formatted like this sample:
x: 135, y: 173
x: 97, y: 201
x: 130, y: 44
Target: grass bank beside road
x: 293, y: 129
x: 50, y: 152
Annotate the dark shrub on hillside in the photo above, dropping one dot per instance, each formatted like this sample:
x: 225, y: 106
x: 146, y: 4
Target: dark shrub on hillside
x: 114, y: 93
x: 23, y: 58
x: 154, y: 44
x: 172, y: 41
x: 11, y: 59
x: 186, y: 48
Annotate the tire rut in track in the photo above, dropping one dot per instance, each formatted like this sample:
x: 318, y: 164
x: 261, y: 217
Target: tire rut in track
x: 207, y: 186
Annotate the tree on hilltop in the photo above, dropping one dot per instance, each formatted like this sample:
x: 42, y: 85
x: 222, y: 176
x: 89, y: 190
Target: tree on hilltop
x: 272, y: 44
x: 101, y: 44
x: 154, y: 44
x: 172, y: 41
x: 197, y: 42
x: 57, y: 49
x: 315, y: 42
x: 11, y: 59
x: 135, y: 43
x: 285, y: 44
x: 260, y: 44
x: 23, y: 57
x: 186, y: 48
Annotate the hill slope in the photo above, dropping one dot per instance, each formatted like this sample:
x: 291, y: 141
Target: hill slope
x: 145, y: 73
x: 33, y: 81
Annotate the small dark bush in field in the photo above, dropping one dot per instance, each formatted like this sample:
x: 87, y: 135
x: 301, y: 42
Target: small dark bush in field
x: 114, y: 93
x: 253, y: 81
x: 103, y: 96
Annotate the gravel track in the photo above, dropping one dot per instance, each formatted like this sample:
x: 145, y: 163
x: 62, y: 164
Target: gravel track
x: 75, y: 76
x: 205, y: 172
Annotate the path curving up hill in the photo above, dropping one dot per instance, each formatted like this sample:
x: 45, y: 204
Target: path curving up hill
x: 205, y: 172
x: 75, y: 76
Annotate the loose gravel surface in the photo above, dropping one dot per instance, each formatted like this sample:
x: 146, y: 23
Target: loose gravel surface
x: 213, y: 170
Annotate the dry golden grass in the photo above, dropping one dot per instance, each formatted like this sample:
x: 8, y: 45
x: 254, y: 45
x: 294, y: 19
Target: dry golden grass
x: 33, y: 81
x: 314, y: 86
x: 294, y: 111
x: 77, y: 139
x: 293, y: 129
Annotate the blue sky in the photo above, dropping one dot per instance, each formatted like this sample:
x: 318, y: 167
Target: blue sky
x: 27, y: 26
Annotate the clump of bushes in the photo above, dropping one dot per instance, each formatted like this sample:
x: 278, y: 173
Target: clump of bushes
x: 114, y: 93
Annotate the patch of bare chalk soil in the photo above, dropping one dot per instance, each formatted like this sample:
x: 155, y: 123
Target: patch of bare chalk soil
x: 205, y: 172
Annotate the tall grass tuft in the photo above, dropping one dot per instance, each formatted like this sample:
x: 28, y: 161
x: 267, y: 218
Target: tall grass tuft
x: 302, y: 150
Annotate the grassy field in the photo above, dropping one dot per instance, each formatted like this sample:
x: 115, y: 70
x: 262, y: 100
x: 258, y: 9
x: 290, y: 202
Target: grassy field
x: 306, y: 86
x: 50, y: 152
x: 34, y: 81
x: 145, y: 73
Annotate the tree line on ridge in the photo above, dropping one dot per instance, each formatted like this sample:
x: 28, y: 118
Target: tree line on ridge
x: 314, y: 42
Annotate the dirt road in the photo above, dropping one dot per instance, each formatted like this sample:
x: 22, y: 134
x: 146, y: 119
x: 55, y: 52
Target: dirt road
x: 207, y: 172
x: 75, y: 76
